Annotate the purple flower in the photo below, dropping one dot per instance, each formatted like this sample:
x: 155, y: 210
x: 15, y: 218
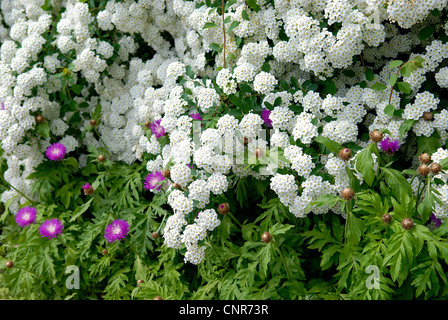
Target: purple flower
x: 437, y: 222
x: 56, y: 151
x: 51, y: 228
x: 152, y: 180
x: 265, y: 115
x: 86, y: 186
x: 389, y: 146
x: 117, y: 230
x: 26, y: 216
x: 196, y: 116
x: 2, y: 107
x: 157, y: 129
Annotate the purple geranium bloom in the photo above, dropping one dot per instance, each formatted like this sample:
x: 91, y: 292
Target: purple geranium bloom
x: 51, y: 228
x: 56, y: 151
x: 152, y: 180
x: 389, y: 146
x: 25, y: 216
x: 196, y: 116
x: 265, y: 115
x: 157, y: 129
x: 117, y: 230
x: 437, y: 222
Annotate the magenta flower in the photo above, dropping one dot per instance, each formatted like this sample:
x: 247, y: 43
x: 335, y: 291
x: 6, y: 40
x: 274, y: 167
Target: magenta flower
x: 26, y: 216
x: 196, y: 116
x: 117, y: 230
x: 51, y: 228
x: 265, y: 115
x: 157, y: 129
x: 2, y: 107
x: 389, y: 146
x: 56, y: 151
x: 152, y: 181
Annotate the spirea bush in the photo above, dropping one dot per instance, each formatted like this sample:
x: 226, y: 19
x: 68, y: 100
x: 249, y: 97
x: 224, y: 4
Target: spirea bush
x: 223, y: 149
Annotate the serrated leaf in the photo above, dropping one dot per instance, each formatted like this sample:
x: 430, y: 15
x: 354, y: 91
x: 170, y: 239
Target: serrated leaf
x: 389, y: 110
x: 80, y: 210
x: 406, y: 126
x: 331, y: 145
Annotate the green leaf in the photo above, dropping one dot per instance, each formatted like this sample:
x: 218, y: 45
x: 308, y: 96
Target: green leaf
x: 76, y: 88
x: 397, y: 182
x: 393, y: 78
x: 427, y: 144
x: 266, y: 67
x: 233, y: 25
x: 369, y: 74
x: 43, y: 129
x: 426, y: 32
x: 215, y: 47
x: 404, y: 87
x: 364, y: 164
x: 389, y: 110
x: 377, y: 86
x: 80, y: 210
x: 245, y: 15
x: 323, y: 200
x: 406, y: 126
x: 208, y: 25
x: 253, y: 4
x: 395, y: 63
x: 331, y: 145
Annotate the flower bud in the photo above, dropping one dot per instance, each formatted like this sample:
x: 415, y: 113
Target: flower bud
x: 407, y: 223
x: 435, y: 167
x: 423, y: 169
x: 158, y: 298
x: 376, y: 136
x: 93, y: 122
x: 266, y: 237
x: 427, y: 116
x: 140, y: 281
x: 177, y: 186
x: 347, y: 193
x: 223, y: 208
x: 386, y: 218
x: 40, y: 118
x: 155, y: 235
x: 9, y: 264
x: 166, y: 173
x: 259, y: 152
x: 424, y: 158
x: 345, y: 154
x: 104, y: 252
x: 101, y: 158
x: 147, y: 124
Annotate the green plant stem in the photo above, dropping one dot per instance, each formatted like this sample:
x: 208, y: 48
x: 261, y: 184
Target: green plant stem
x: 349, y: 213
x: 420, y: 192
x: 99, y: 201
x: 67, y: 168
x: 234, y: 219
x: 34, y: 202
x: 99, y: 136
x: 277, y: 247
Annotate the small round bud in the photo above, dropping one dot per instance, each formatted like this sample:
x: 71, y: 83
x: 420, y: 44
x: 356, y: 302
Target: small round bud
x: 158, y: 298
x: 9, y: 264
x: 166, y: 173
x: 345, y: 154
x: 88, y: 191
x: 177, y: 186
x: 347, y: 193
x: 147, y: 124
x: 435, y: 167
x: 155, y: 235
x: 427, y: 116
x: 40, y: 118
x: 376, y: 136
x: 101, y: 158
x: 424, y: 158
x: 386, y: 218
x: 266, y: 237
x: 407, y: 223
x: 140, y: 281
x: 259, y: 152
x: 104, y: 252
x: 423, y: 170
x: 223, y: 208
x: 246, y: 140
x: 93, y: 122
